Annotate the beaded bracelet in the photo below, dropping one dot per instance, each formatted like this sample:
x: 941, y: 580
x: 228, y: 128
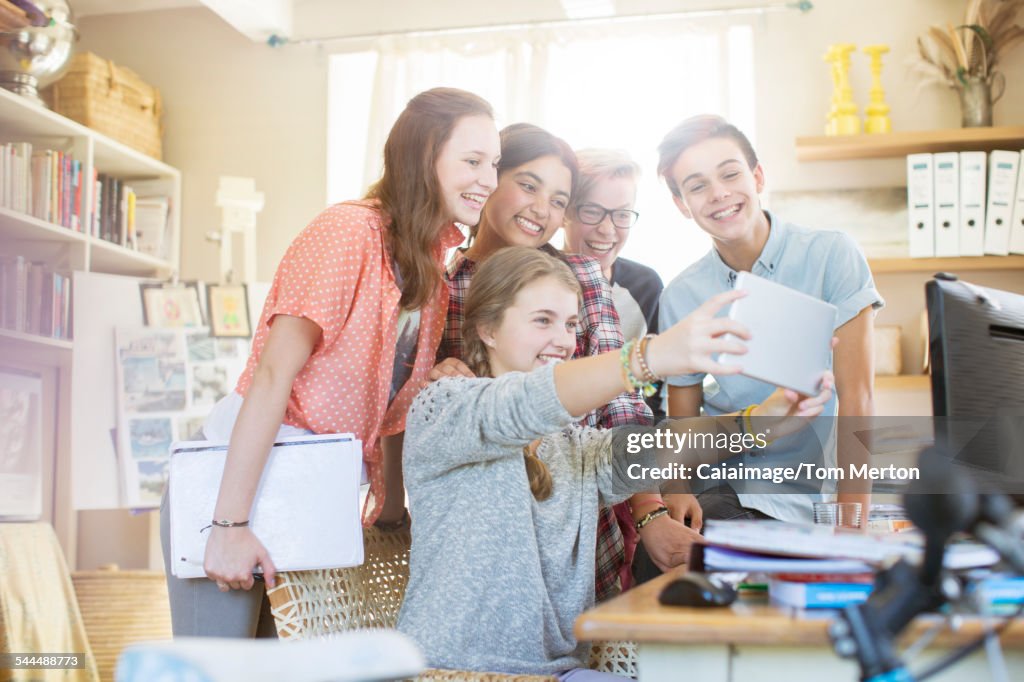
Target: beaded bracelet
x: 629, y: 380
x: 641, y: 358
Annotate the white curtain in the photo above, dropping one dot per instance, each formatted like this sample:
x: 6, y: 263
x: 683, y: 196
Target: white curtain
x: 621, y: 86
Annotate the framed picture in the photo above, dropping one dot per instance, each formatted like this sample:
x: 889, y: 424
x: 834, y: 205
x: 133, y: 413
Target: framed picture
x: 171, y: 305
x: 229, y: 310
x: 21, y: 443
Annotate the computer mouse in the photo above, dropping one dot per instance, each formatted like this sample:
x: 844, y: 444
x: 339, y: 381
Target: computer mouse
x: 696, y: 589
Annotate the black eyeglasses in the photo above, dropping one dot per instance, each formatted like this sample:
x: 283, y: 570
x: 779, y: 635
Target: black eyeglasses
x: 593, y: 214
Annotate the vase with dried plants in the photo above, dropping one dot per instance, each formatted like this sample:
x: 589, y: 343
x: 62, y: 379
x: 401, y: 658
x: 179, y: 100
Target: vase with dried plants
x: 965, y: 57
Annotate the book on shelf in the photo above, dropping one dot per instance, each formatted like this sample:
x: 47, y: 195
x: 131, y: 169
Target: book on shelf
x: 14, y: 281
x: 42, y: 183
x: 151, y: 216
x: 153, y: 207
x: 34, y: 299
x: 132, y: 213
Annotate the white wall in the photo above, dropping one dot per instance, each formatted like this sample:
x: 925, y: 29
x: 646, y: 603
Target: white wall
x: 234, y: 107
x: 795, y: 87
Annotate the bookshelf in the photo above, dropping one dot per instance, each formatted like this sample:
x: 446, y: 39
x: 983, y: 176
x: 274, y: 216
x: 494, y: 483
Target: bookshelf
x: 64, y: 250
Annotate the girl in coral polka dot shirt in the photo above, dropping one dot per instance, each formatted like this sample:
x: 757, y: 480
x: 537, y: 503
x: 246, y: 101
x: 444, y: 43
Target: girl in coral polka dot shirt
x: 348, y: 334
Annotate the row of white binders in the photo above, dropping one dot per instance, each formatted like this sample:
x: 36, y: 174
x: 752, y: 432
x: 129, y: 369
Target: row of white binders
x: 965, y: 204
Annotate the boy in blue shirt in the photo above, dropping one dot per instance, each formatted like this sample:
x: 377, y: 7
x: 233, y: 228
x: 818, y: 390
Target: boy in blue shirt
x: 715, y: 179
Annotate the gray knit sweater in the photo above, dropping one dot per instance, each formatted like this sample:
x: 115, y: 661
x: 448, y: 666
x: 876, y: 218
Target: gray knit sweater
x: 497, y: 579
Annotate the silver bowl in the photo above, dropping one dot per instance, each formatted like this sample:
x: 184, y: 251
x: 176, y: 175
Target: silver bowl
x: 35, y: 56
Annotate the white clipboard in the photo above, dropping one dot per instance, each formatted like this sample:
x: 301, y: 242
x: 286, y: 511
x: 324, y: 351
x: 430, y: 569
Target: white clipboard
x: 306, y: 511
x: 791, y: 334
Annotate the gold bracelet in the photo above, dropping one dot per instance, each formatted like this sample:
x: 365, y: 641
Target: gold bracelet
x: 747, y: 421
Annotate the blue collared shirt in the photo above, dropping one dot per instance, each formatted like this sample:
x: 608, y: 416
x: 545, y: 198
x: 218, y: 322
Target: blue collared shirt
x: 822, y: 263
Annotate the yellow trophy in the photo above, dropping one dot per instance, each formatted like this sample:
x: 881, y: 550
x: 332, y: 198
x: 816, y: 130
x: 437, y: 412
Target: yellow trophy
x: 876, y: 113
x: 842, y: 117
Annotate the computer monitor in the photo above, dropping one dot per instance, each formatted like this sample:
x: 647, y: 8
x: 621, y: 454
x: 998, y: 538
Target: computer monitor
x: 976, y: 348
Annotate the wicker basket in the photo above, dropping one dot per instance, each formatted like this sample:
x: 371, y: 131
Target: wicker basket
x: 121, y: 608
x: 111, y: 100
x: 309, y: 604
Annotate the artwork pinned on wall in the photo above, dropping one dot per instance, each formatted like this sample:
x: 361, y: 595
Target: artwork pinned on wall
x: 21, y: 457
x: 168, y: 380
x: 171, y: 305
x: 228, y: 305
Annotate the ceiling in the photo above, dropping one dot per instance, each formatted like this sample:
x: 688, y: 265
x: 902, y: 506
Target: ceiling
x: 87, y: 8
x: 258, y: 19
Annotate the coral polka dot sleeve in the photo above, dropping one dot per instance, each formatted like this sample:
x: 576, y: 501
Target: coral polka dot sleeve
x: 319, y: 275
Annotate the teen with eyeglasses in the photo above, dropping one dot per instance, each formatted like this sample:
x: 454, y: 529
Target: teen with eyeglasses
x: 599, y: 223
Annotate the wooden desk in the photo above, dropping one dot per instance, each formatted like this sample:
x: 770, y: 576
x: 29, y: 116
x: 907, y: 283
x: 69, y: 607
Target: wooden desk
x: 752, y: 640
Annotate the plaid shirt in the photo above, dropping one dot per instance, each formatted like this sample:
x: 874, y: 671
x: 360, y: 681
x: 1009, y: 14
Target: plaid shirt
x: 598, y: 332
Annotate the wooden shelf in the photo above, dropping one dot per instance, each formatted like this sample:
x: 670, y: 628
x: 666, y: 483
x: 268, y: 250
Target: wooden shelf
x: 964, y: 264
x: 903, y: 382
x: 891, y: 145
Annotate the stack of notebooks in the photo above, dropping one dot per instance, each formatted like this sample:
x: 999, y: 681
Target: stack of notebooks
x: 965, y: 204
x: 815, y: 566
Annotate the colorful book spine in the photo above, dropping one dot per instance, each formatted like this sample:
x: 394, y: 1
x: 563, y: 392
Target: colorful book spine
x: 999, y: 595
x: 811, y: 595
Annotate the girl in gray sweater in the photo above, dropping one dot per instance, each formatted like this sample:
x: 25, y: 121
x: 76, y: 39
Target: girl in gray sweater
x: 503, y: 488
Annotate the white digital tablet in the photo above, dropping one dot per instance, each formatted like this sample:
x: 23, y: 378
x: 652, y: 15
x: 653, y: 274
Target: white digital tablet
x: 791, y: 334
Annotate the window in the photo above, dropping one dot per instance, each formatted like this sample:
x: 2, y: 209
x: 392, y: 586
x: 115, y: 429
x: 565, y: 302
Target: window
x: 621, y: 87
